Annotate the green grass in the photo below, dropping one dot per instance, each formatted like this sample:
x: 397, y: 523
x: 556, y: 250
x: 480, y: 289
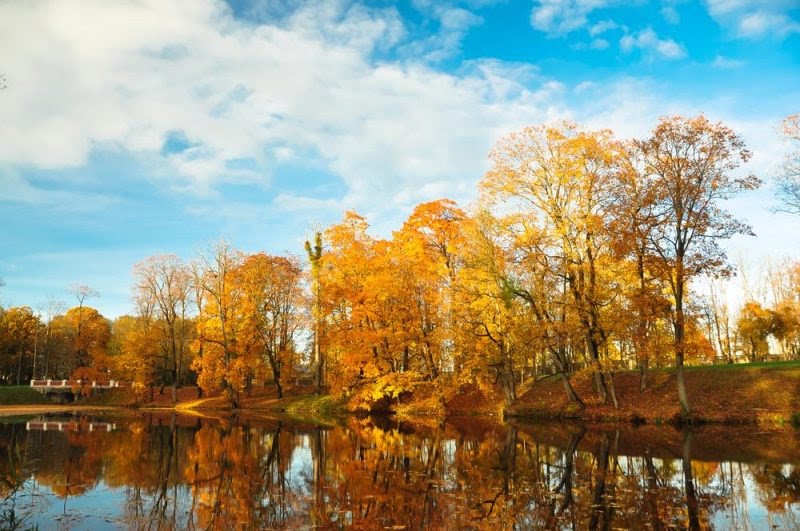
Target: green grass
x: 20, y: 395
x: 321, y: 409
x: 782, y: 365
x: 792, y: 364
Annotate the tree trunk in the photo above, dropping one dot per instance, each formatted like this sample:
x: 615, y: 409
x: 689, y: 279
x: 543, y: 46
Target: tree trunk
x: 318, y: 363
x: 651, y: 493
x: 278, y: 386
x: 688, y: 483
x: 599, y: 380
x: 571, y: 394
x: 233, y: 395
x: 683, y: 395
x: 19, y: 367
x: 642, y: 353
x: 680, y: 331
x: 599, y: 503
x: 611, y: 389
x: 643, y: 374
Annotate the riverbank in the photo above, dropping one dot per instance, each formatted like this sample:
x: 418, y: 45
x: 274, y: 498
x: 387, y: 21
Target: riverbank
x: 737, y: 394
x: 733, y: 394
x: 40, y: 409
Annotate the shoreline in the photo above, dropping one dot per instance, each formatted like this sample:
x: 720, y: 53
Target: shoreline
x: 774, y: 420
x: 720, y: 395
x: 14, y: 410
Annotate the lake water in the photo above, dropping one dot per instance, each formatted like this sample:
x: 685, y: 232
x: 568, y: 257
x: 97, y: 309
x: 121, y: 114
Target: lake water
x: 167, y: 471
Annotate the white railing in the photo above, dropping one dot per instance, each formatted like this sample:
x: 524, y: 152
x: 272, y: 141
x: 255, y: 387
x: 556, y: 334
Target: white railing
x: 69, y: 384
x: 41, y: 425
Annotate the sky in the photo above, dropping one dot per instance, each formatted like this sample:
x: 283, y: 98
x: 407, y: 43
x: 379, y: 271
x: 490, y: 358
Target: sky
x: 134, y: 128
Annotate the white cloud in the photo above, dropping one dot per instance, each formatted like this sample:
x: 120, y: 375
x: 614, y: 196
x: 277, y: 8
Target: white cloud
x: 670, y: 14
x: 762, y: 22
x: 602, y: 27
x: 723, y: 7
x: 454, y: 23
x: 726, y: 63
x: 756, y: 18
x: 563, y: 16
x: 17, y: 189
x: 255, y: 92
x: 648, y: 41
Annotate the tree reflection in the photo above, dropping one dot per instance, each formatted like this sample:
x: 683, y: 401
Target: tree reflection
x: 178, y: 472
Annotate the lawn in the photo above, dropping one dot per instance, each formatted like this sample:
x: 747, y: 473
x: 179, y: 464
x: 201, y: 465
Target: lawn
x: 20, y: 394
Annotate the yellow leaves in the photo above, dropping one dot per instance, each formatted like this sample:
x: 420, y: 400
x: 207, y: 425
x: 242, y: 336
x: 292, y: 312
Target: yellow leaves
x: 389, y: 387
x: 248, y: 321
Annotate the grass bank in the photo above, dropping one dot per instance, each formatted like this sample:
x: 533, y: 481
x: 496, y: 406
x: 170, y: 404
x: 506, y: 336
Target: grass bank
x: 20, y: 394
x: 742, y: 393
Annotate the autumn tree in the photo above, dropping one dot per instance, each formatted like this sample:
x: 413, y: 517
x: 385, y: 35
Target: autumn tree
x: 51, y: 308
x: 556, y: 185
x: 271, y: 311
x: 784, y: 281
x: 486, y: 308
x: 789, y: 182
x: 356, y: 347
x: 84, y: 335
x: 424, y: 260
x: 135, y: 349
x: 60, y: 354
x: 19, y: 331
x: 634, y: 220
x: 219, y: 362
x: 164, y: 284
x: 690, y: 161
x: 721, y: 323
x: 82, y: 293
x: 370, y: 315
x: 754, y: 326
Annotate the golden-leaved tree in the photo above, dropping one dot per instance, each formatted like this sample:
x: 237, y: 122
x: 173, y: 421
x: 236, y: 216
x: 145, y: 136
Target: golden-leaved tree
x: 553, y: 189
x: 271, y: 312
x: 691, y: 162
x: 89, y: 333
x: 220, y: 363
x: 486, y: 309
x: 425, y: 263
x: 359, y: 287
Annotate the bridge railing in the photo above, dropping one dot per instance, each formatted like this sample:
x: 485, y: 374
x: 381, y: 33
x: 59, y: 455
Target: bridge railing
x: 41, y: 425
x: 64, y: 384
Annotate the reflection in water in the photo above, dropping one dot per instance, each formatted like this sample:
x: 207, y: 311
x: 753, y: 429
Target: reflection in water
x: 173, y: 472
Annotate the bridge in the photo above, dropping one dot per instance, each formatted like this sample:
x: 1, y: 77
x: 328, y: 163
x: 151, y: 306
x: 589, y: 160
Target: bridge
x: 72, y: 425
x: 67, y: 390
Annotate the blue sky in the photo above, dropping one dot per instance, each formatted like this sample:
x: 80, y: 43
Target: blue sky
x: 138, y: 128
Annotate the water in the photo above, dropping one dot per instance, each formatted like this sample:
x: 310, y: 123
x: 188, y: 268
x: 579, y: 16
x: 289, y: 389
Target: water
x: 166, y: 471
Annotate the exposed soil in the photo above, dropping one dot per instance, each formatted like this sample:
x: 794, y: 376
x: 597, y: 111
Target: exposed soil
x: 736, y: 395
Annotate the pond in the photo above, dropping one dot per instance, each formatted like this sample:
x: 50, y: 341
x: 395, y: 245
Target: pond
x: 169, y: 471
